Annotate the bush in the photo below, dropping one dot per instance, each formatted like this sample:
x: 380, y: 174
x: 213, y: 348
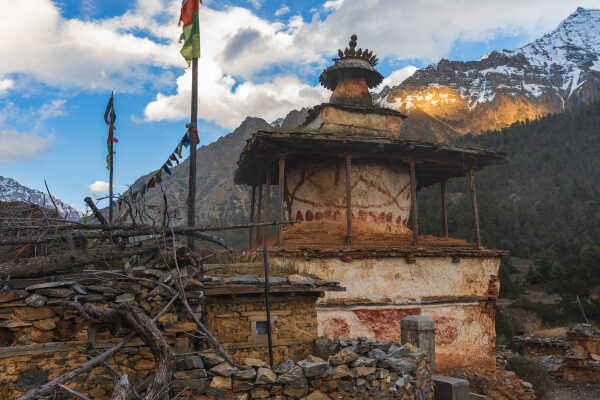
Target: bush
x: 505, y: 329
x: 551, y: 314
x: 531, y: 372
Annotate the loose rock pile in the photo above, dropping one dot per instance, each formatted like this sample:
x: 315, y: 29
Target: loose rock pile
x: 357, y: 369
x: 497, y: 385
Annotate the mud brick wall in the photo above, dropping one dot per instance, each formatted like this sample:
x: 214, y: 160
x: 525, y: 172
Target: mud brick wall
x: 234, y: 321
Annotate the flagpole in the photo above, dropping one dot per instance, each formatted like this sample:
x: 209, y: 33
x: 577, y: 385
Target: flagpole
x: 192, y: 136
x: 110, y: 180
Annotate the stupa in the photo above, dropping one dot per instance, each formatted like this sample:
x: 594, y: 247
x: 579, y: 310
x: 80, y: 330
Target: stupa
x: 349, y: 179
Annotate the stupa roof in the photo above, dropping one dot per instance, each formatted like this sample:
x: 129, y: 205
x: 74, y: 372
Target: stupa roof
x: 352, y: 62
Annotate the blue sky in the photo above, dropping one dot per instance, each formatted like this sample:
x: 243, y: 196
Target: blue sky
x: 259, y: 58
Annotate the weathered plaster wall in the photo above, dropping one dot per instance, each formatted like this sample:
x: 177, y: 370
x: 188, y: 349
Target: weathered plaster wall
x: 335, y: 120
x: 464, y: 332
x: 394, y: 281
x: 380, y: 194
x: 380, y: 292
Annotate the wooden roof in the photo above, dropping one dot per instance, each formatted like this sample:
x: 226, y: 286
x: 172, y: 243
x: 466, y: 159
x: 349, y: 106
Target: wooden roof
x: 434, y: 162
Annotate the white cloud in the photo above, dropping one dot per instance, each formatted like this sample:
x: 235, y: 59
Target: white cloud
x: 56, y: 108
x: 22, y: 146
x: 333, y: 4
x: 398, y: 76
x: 282, y: 11
x: 99, y: 187
x: 6, y: 84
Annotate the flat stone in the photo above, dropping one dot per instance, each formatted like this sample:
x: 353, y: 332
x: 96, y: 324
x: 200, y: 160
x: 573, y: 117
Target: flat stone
x: 364, y: 362
x: 284, y: 367
x: 300, y: 280
x: 12, y: 295
x: 265, y: 376
x: 295, y: 392
x: 401, y: 366
x: 56, y: 292
x: 260, y: 393
x: 378, y: 354
x: 45, y: 324
x: 211, y: 358
x: 242, y: 279
x: 240, y: 385
x: 275, y: 280
x: 344, y: 356
x: 294, y: 377
x: 192, y: 374
x: 254, y: 362
x: 317, y: 395
x: 192, y: 362
x: 223, y: 369
x: 247, y: 374
x: 363, y: 371
x: 475, y: 396
x: 105, y: 290
x: 312, y: 369
x: 124, y: 298
x: 341, y: 371
x: 168, y: 319
x: 220, y: 383
x: 14, y: 324
x: 449, y: 388
x: 181, y: 327
x: 46, y: 285
x: 32, y: 313
x: 36, y: 300
x: 157, y: 273
x: 398, y: 351
x: 31, y: 379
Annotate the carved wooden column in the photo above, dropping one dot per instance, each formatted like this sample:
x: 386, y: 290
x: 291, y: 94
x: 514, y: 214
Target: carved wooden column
x: 251, y: 215
x: 259, y: 208
x: 281, y: 185
x: 348, y: 200
x: 475, y: 208
x: 413, y: 203
x: 444, y: 185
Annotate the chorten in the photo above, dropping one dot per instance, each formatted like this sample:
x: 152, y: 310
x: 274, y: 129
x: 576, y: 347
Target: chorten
x: 349, y: 179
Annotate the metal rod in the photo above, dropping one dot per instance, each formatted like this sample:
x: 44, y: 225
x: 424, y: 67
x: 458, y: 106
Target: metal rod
x: 413, y: 203
x: 267, y: 200
x: 348, y: 200
x: 259, y: 208
x: 444, y: 185
x: 281, y: 185
x: 251, y: 216
x: 268, y: 305
x: 191, y: 132
x: 475, y: 208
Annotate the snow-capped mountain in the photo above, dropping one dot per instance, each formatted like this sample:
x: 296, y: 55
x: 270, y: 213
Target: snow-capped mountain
x: 11, y: 190
x: 558, y: 71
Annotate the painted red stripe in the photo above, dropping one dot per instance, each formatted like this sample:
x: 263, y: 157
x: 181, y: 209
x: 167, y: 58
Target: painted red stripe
x: 188, y: 8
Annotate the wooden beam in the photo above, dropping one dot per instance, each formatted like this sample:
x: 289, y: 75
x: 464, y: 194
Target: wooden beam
x: 475, y: 209
x: 444, y: 185
x: 348, y: 200
x: 413, y: 203
x: 268, y: 174
x: 259, y: 207
x: 281, y: 185
x: 251, y: 216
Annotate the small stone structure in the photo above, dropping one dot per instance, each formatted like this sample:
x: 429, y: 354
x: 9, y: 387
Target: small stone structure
x: 350, y: 179
x: 582, y: 364
x: 542, y: 346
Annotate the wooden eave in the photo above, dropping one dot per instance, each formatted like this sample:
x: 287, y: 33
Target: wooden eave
x: 241, y: 289
x: 435, y: 162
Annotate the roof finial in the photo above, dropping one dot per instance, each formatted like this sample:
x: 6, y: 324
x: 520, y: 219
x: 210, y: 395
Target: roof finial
x: 353, y: 41
x: 351, y: 52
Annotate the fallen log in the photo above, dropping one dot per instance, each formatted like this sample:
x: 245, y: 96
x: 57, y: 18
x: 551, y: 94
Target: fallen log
x: 67, y: 260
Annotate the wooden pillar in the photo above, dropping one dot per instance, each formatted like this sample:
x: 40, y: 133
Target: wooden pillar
x: 475, y: 209
x: 191, y: 200
x: 413, y: 203
x: 251, y: 215
x: 259, y: 207
x: 281, y: 186
x: 268, y: 173
x: 444, y: 185
x: 348, y: 200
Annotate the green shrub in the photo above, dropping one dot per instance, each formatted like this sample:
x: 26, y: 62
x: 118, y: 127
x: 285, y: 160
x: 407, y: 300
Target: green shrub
x: 505, y: 329
x: 531, y: 372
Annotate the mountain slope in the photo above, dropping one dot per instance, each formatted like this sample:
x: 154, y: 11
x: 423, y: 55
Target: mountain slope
x: 558, y: 71
x: 11, y: 190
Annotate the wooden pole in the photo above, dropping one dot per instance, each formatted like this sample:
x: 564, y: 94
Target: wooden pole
x: 267, y: 201
x: 110, y: 179
x: 192, y: 174
x: 268, y: 305
x: 444, y: 185
x: 475, y: 209
x: 281, y: 185
x: 251, y: 216
x: 348, y: 200
x: 259, y: 207
x: 413, y: 203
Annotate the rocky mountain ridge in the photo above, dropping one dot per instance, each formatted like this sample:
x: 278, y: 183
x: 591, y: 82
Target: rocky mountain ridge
x: 11, y: 190
x: 559, y: 71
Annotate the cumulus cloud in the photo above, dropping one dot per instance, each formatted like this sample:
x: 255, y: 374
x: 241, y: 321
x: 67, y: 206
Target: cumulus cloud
x: 22, y: 146
x: 56, y: 108
x: 333, y: 4
x: 6, y: 84
x: 398, y: 76
x: 99, y: 187
x: 282, y: 11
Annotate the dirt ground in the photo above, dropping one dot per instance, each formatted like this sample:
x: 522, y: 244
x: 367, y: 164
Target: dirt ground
x: 563, y: 391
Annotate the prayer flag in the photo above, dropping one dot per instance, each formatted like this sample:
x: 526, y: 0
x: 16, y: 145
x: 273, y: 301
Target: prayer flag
x: 191, y: 29
x: 174, y: 158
